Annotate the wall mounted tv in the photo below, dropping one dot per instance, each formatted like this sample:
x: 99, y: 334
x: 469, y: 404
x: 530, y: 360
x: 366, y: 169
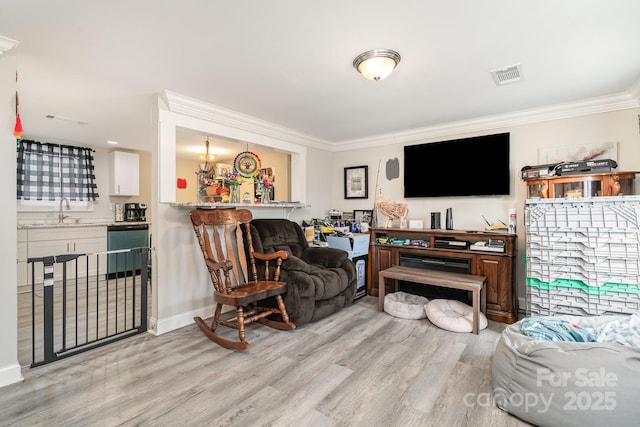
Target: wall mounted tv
x: 477, y: 166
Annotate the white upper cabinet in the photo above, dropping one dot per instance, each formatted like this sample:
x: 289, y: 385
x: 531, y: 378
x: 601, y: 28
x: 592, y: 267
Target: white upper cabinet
x: 124, y: 168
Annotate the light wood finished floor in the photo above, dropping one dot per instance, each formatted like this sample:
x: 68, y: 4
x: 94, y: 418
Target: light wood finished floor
x: 358, y: 367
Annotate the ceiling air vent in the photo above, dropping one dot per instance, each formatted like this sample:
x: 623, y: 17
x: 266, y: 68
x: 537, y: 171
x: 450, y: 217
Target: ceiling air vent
x: 66, y: 119
x: 511, y: 74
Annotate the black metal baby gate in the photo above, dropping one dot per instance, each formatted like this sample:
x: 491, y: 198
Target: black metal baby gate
x: 78, y: 303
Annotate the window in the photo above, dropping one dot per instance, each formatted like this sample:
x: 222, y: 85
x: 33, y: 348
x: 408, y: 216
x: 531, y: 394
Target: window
x: 48, y: 172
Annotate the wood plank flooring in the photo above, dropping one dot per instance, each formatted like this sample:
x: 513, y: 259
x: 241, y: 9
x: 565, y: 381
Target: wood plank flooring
x: 358, y: 367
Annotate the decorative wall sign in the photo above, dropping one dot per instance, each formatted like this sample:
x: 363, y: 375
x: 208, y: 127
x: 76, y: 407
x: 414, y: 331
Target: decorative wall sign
x: 356, y: 182
x: 247, y: 164
x: 605, y: 150
x: 393, y: 168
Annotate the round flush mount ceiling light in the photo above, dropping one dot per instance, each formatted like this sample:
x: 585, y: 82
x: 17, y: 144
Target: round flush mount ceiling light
x: 376, y: 64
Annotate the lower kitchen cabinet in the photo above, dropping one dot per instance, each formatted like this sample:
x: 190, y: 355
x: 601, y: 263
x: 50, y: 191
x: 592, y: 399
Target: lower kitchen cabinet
x: 56, y: 241
x: 22, y: 258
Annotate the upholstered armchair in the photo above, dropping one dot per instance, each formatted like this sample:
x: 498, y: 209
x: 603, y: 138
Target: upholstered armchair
x: 320, y: 280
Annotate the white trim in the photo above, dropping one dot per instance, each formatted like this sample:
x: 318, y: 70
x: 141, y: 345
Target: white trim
x: 10, y: 374
x: 199, y: 109
x: 6, y: 44
x: 211, y: 113
x: 555, y: 112
x: 181, y: 320
x: 234, y: 128
x: 635, y: 91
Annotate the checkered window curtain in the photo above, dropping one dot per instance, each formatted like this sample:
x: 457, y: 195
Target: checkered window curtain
x: 51, y: 172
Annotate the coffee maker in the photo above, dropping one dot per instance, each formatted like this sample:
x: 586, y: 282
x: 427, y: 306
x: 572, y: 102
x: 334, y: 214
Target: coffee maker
x: 135, y: 212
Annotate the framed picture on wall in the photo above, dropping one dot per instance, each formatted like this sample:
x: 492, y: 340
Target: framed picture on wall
x: 356, y: 182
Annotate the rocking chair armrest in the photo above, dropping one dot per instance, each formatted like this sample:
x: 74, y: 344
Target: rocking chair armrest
x: 216, y: 265
x: 270, y: 257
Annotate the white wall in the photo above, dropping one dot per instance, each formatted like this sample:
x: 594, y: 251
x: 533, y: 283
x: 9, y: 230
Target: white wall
x: 9, y: 366
x: 181, y: 288
x: 279, y: 162
x: 103, y: 206
x: 621, y: 126
x: 184, y: 288
x: 182, y: 285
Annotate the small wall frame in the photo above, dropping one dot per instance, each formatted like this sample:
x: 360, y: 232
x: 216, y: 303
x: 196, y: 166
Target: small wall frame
x: 363, y: 216
x: 356, y: 182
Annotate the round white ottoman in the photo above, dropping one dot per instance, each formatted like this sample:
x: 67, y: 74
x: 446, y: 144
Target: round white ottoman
x: 453, y: 315
x: 405, y: 306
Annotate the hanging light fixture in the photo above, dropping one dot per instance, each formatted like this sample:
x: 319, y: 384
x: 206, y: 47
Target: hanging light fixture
x: 376, y: 64
x: 207, y: 158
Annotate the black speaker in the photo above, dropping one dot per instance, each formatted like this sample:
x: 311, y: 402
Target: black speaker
x: 449, y: 223
x: 435, y: 220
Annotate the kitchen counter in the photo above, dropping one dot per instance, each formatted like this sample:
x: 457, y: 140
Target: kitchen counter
x: 220, y: 205
x: 79, y: 223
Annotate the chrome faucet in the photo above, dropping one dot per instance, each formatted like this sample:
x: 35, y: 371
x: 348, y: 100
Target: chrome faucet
x: 61, y: 216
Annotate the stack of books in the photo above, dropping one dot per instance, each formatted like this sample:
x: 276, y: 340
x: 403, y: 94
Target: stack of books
x: 492, y: 245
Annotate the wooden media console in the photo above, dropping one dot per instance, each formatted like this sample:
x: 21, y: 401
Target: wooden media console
x: 416, y: 248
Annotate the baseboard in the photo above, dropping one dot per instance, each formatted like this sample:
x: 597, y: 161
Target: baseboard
x: 10, y: 374
x: 162, y: 326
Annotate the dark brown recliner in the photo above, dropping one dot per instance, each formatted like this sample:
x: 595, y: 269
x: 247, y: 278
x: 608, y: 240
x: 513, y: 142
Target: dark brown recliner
x: 320, y: 281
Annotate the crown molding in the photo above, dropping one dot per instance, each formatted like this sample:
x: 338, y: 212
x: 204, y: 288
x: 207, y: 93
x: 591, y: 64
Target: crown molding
x: 635, y: 90
x: 192, y: 107
x: 604, y: 104
x: 195, y: 108
x: 6, y: 44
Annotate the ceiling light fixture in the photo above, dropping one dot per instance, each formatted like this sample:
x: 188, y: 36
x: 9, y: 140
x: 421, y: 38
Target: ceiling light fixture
x: 206, y: 166
x: 376, y: 64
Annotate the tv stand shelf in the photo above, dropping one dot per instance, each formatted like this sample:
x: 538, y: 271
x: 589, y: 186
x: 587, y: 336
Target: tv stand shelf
x: 496, y: 266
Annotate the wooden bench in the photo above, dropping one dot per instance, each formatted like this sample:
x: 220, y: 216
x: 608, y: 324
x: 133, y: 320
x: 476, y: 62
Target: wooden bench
x: 445, y: 279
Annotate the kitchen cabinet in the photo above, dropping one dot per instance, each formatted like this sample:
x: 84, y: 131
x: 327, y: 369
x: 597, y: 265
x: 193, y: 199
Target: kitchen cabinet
x: 124, y: 169
x: 68, y: 240
x: 22, y: 258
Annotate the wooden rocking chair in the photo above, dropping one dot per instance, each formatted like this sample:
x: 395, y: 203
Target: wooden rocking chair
x: 221, y: 228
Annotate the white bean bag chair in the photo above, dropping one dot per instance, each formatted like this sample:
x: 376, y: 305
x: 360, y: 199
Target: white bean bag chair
x: 405, y: 305
x: 565, y: 383
x: 453, y: 315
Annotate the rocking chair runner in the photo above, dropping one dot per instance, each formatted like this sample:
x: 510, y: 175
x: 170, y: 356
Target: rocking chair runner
x: 221, y: 228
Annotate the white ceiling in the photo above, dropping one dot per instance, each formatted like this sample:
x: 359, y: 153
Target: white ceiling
x: 289, y: 62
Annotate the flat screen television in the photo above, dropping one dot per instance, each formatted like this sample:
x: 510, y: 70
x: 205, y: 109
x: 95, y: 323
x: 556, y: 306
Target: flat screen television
x: 477, y: 166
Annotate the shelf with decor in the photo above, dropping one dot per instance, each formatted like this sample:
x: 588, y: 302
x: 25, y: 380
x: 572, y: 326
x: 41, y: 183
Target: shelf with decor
x: 220, y: 205
x: 582, y: 185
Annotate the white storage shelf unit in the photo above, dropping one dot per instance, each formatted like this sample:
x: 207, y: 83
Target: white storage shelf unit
x: 583, y: 255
